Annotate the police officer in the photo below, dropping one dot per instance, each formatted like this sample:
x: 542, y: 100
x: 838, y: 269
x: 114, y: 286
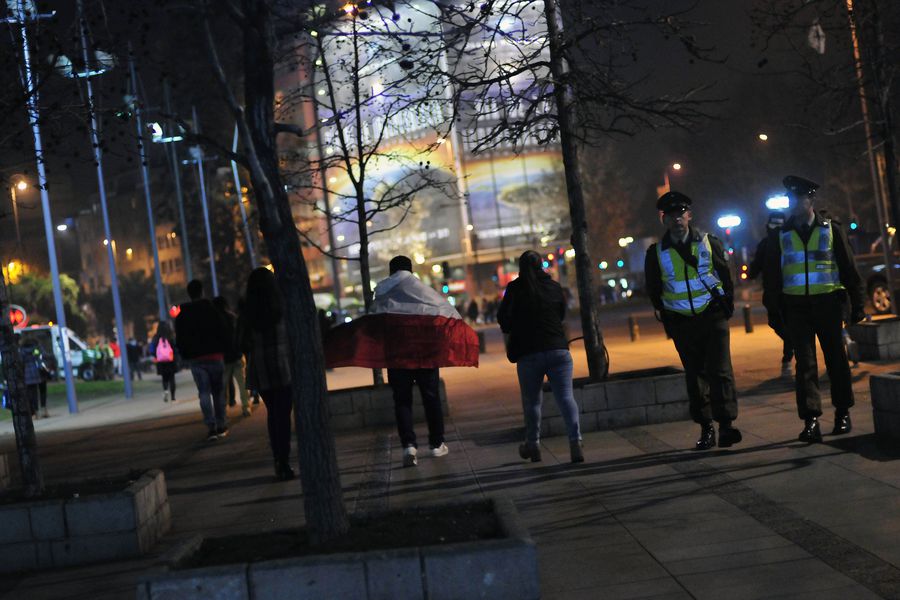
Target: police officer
x: 813, y: 273
x: 773, y: 306
x: 689, y: 283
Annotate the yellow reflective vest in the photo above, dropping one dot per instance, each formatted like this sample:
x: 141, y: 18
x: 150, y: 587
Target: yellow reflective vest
x: 686, y: 290
x: 809, y: 269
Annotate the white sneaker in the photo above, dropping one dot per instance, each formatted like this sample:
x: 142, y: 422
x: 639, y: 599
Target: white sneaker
x: 166, y: 396
x: 409, y: 456
x: 441, y: 450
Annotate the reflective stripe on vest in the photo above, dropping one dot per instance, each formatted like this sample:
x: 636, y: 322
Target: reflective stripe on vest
x: 809, y: 269
x: 684, y: 291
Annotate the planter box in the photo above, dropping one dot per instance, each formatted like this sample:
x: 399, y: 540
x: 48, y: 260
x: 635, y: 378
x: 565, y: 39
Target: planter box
x: 4, y: 472
x: 504, y: 568
x: 93, y: 528
x: 624, y: 400
x: 885, y: 390
x: 373, y: 406
x: 877, y: 340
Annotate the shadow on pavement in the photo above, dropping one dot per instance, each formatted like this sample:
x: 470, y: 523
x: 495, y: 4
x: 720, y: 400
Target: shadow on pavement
x: 867, y: 446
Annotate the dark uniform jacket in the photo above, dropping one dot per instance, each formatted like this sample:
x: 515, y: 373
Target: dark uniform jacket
x: 533, y: 324
x: 843, y: 256
x: 653, y: 275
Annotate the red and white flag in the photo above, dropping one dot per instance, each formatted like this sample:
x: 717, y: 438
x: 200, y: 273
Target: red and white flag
x: 412, y: 327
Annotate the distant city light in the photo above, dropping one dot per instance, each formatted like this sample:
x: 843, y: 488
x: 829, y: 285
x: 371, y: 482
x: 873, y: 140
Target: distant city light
x: 620, y: 263
x: 545, y: 264
x: 603, y: 265
x: 726, y: 221
x: 778, y: 202
x: 624, y: 283
x: 676, y: 166
x: 612, y: 283
x: 62, y: 227
x: 21, y: 186
x: 435, y: 268
x: 570, y: 253
x: 625, y: 241
x: 763, y: 137
x: 470, y: 227
x: 550, y: 256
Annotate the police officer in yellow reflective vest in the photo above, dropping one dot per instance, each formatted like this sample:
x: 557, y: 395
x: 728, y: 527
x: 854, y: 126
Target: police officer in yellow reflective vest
x: 813, y: 273
x: 689, y: 283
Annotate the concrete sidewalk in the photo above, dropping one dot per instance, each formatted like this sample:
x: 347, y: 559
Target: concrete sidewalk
x: 644, y: 517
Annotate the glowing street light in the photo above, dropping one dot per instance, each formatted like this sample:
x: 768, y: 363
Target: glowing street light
x: 21, y: 186
x: 763, y: 137
x: 62, y: 227
x: 728, y: 221
x: 676, y: 166
x: 781, y: 202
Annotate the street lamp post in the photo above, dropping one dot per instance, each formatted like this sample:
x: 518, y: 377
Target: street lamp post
x: 98, y: 160
x: 145, y: 176
x: 22, y: 17
x: 20, y: 186
x: 240, y: 200
x: 197, y: 155
x: 179, y: 196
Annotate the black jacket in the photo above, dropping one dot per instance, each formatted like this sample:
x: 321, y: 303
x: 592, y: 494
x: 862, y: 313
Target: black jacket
x: 843, y: 256
x: 653, y: 274
x: 533, y: 324
x: 201, y: 329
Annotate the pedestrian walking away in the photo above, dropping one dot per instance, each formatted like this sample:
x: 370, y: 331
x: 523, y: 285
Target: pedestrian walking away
x: 234, y: 361
x: 33, y: 362
x: 265, y: 342
x: 201, y: 335
x: 812, y: 273
x: 134, y: 352
x: 401, y: 292
x: 162, y: 349
x: 532, y: 314
x: 689, y: 283
x: 772, y: 304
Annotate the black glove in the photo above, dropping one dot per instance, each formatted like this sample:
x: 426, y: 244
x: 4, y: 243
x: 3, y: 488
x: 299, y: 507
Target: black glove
x: 857, y: 314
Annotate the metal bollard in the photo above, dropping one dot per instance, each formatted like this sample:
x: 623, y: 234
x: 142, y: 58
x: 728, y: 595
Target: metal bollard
x: 748, y: 323
x: 633, y: 328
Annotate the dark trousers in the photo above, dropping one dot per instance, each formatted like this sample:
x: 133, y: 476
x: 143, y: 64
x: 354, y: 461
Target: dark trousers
x: 822, y: 317
x: 428, y: 380
x: 134, y: 369
x: 209, y: 377
x: 704, y: 346
x: 279, y: 405
x: 776, y: 322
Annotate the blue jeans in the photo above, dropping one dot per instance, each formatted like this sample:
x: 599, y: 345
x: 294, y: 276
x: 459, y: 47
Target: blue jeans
x: 557, y: 366
x: 209, y: 375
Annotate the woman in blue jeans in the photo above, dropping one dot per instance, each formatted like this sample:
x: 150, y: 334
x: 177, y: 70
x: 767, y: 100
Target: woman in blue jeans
x: 532, y: 314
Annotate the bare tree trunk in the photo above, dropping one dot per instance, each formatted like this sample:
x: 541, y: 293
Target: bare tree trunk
x: 326, y: 516
x: 14, y: 373
x: 598, y: 365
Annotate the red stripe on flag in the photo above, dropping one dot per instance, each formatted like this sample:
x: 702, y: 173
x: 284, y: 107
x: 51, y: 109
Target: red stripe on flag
x: 397, y: 341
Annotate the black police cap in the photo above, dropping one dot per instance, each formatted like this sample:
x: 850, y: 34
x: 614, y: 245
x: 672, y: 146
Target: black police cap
x: 799, y: 186
x: 672, y: 202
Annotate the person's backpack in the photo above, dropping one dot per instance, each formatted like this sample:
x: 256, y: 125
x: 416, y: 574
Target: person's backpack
x: 164, y: 351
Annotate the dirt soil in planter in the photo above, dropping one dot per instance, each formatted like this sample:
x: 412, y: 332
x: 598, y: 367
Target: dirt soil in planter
x: 406, y: 528
x: 75, y: 489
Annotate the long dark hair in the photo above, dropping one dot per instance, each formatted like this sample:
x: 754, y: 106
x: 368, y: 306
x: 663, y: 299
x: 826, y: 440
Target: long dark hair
x: 164, y: 331
x: 531, y: 273
x: 263, y: 306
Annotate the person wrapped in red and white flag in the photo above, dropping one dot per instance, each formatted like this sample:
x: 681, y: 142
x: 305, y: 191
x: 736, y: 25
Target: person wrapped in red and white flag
x: 413, y: 331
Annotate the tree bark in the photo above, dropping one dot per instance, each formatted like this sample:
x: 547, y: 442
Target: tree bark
x: 14, y: 373
x: 598, y: 364
x: 326, y: 516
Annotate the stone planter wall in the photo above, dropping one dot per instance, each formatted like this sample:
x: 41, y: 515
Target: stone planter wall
x: 371, y: 406
x: 4, y: 472
x: 624, y: 400
x: 877, y: 340
x: 501, y: 569
x: 94, y: 528
x: 885, y: 390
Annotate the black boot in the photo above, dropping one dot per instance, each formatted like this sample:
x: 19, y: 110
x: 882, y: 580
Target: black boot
x: 842, y: 423
x: 811, y: 433
x: 576, y: 451
x: 707, y: 438
x: 728, y: 435
x: 531, y: 451
x: 283, y: 470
